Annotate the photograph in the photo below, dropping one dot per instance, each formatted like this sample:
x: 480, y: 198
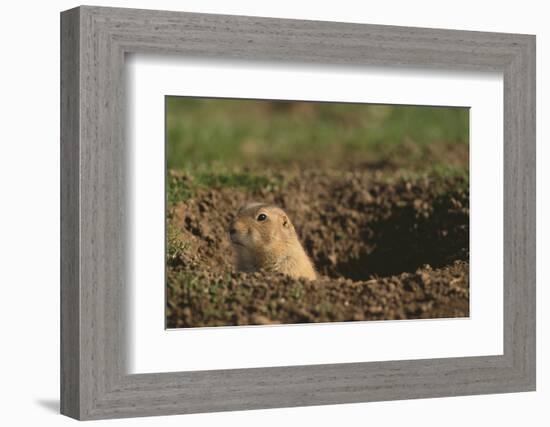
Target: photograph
x: 287, y: 212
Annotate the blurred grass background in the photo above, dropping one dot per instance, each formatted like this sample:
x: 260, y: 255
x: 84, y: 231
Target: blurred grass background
x: 208, y: 135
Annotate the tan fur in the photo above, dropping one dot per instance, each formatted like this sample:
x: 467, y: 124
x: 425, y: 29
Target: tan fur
x: 269, y: 245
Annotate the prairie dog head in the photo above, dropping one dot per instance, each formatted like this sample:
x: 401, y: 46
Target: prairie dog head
x: 260, y: 227
x: 264, y: 239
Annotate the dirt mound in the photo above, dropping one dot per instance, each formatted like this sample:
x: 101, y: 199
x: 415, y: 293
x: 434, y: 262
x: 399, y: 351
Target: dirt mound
x: 386, y: 249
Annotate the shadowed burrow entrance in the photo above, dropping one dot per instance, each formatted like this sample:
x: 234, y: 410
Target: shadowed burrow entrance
x: 402, y: 239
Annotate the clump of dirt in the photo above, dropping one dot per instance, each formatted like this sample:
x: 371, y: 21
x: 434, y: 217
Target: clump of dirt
x: 386, y: 249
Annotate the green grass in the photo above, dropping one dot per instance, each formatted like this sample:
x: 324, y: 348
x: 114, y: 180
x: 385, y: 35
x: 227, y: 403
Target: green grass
x: 254, y: 144
x: 206, y: 133
x: 182, y: 186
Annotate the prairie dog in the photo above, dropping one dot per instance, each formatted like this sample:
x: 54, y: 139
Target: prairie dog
x: 264, y: 239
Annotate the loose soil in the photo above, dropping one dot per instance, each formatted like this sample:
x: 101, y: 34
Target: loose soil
x: 385, y: 249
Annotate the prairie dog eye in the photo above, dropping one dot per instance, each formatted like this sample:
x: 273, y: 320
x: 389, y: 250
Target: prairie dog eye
x: 261, y: 217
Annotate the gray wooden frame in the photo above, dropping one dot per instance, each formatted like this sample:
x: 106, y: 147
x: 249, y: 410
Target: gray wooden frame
x: 94, y: 41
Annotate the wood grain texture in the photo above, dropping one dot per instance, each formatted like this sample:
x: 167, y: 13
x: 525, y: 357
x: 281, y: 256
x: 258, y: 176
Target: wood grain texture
x: 94, y: 231
x: 70, y: 220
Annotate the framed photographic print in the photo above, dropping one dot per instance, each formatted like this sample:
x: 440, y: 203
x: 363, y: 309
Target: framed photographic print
x: 262, y: 213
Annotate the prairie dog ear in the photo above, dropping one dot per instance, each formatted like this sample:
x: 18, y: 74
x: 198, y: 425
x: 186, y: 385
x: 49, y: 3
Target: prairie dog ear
x: 286, y: 222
